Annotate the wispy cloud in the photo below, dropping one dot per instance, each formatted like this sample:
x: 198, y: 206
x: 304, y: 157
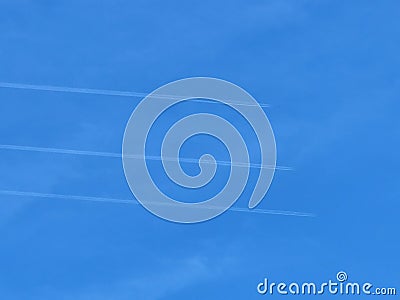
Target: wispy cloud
x: 169, y: 277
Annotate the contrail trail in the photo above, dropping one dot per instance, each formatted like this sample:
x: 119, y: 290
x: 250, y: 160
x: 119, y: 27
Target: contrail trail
x: 134, y: 202
x: 64, y: 89
x: 117, y: 155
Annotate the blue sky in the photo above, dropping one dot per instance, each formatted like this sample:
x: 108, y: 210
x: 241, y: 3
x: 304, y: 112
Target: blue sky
x: 328, y: 69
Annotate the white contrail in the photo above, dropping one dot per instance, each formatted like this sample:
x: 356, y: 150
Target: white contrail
x: 126, y: 201
x: 65, y: 89
x: 117, y: 155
